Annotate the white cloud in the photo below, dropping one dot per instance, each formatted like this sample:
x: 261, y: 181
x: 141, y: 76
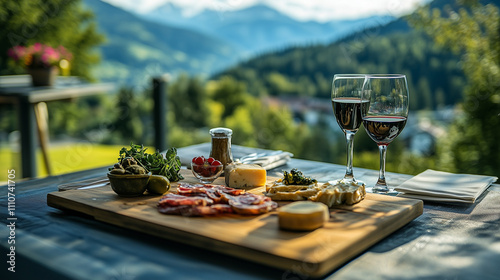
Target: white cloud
x: 328, y: 10
x: 320, y: 10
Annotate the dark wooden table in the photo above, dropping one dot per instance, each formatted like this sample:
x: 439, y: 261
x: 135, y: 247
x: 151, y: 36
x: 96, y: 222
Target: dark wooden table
x: 17, y: 89
x: 449, y: 241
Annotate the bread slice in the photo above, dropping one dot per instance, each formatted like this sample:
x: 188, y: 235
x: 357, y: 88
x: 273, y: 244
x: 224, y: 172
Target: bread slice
x: 280, y: 191
x: 340, y: 193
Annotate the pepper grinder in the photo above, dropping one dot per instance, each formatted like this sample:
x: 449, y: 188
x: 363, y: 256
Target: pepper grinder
x: 221, y: 145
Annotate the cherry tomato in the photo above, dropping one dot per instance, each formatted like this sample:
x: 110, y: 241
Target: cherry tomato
x: 206, y: 172
x: 210, y: 160
x: 216, y: 163
x: 199, y: 160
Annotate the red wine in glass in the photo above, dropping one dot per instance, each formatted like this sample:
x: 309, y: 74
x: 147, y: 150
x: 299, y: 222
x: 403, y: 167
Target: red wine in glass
x: 347, y: 111
x: 386, y: 115
x: 347, y: 103
x: 384, y: 129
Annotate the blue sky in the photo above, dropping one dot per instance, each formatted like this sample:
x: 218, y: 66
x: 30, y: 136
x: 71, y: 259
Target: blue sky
x: 319, y: 10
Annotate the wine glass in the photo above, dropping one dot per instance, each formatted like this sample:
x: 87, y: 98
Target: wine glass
x: 348, y: 102
x: 386, y: 115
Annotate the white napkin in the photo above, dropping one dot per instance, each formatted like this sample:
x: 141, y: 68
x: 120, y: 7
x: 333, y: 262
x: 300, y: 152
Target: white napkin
x: 274, y: 160
x: 445, y: 187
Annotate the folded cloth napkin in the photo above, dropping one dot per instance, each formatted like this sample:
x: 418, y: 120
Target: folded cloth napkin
x: 269, y: 161
x: 445, y: 187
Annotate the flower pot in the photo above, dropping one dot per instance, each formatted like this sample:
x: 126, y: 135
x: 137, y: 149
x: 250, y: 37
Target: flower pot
x: 43, y: 76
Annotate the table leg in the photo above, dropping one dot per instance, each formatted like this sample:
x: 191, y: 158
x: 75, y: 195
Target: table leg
x: 28, y: 139
x: 41, y: 115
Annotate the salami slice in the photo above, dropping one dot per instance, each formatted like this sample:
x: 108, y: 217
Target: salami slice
x: 176, y: 200
x: 209, y: 200
x: 251, y: 204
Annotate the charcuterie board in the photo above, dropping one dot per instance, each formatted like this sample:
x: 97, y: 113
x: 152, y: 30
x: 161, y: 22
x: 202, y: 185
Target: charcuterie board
x: 350, y: 230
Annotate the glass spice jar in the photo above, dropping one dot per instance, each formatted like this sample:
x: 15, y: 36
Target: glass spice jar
x: 221, y: 145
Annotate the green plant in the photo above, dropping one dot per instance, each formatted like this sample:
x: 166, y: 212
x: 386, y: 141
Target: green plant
x: 168, y: 166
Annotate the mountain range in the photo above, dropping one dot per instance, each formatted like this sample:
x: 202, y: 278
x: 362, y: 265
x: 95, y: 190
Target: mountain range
x: 163, y: 40
x: 260, y: 28
x: 136, y: 48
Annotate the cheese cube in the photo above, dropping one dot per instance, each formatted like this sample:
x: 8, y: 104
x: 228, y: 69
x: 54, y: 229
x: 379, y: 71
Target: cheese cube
x: 244, y: 176
x: 303, y: 215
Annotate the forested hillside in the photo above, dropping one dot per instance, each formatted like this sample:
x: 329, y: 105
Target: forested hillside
x: 434, y: 75
x: 449, y: 52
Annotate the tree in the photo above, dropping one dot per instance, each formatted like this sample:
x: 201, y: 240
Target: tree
x: 128, y: 122
x: 52, y: 22
x: 188, y: 100
x: 472, y: 30
x: 230, y: 93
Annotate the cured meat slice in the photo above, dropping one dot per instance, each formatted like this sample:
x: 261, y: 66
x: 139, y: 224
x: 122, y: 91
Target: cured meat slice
x: 209, y: 200
x: 209, y: 210
x: 201, y: 211
x: 176, y: 200
x: 175, y: 210
x: 196, y: 189
x: 251, y: 204
x: 190, y: 210
x: 223, y: 208
x: 199, y: 190
x: 230, y: 191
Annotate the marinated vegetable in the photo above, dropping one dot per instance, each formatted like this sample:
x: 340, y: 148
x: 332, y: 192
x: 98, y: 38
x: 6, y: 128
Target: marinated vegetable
x: 295, y: 177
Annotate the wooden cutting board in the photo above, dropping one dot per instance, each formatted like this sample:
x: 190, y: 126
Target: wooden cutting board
x: 350, y: 230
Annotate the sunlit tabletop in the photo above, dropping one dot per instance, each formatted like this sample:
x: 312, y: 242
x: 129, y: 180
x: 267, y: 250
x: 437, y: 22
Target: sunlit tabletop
x: 448, y: 241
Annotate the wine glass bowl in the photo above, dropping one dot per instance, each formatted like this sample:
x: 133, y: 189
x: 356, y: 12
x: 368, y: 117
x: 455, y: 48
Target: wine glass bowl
x: 348, y: 102
x: 386, y: 114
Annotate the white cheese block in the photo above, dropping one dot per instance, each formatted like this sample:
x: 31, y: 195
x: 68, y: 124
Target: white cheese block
x: 303, y: 215
x: 244, y: 176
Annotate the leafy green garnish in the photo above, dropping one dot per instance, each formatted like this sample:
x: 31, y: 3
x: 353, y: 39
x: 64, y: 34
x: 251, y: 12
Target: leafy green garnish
x: 168, y: 166
x: 295, y: 177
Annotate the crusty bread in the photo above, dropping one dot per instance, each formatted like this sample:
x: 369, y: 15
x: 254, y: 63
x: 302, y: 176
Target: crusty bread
x: 279, y: 191
x: 337, y: 193
x: 340, y: 193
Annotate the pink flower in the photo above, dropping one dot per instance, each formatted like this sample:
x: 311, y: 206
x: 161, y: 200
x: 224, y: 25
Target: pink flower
x: 17, y: 52
x: 39, y: 55
x: 37, y: 47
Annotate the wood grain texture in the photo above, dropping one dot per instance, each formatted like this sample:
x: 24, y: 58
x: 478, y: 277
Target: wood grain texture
x: 350, y: 230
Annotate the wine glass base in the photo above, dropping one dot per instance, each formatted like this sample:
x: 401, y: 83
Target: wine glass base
x: 379, y: 190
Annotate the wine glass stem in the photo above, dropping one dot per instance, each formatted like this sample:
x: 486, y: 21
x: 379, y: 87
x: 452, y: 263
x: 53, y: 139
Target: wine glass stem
x: 381, y: 175
x: 349, y: 136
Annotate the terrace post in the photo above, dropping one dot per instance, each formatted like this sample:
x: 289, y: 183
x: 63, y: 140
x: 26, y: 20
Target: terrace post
x: 27, y: 124
x: 160, y: 111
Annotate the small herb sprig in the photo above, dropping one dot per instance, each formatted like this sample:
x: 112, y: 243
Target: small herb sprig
x: 168, y: 166
x: 295, y: 177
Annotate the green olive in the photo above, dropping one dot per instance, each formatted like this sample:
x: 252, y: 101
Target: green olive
x: 128, y: 161
x: 118, y: 171
x: 158, y: 184
x: 135, y: 169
